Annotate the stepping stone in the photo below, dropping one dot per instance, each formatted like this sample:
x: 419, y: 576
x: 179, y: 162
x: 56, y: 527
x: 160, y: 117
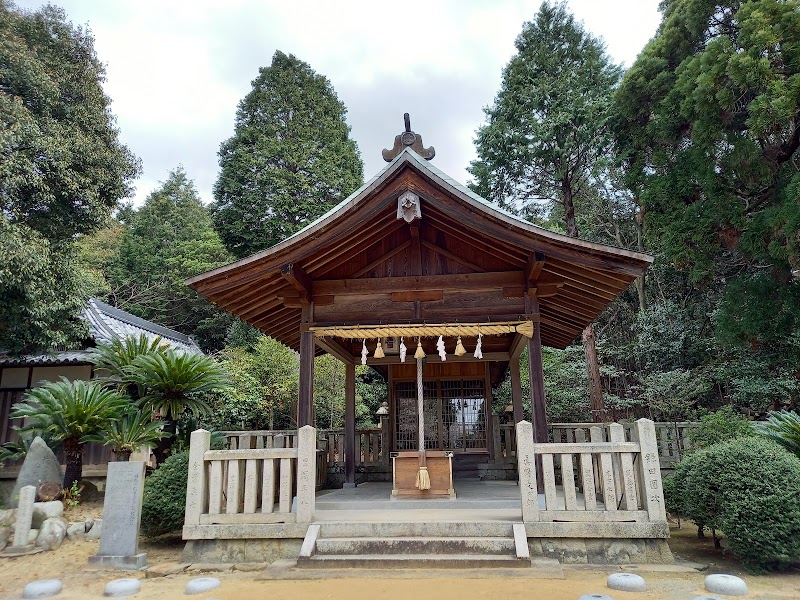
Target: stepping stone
x: 595, y: 597
x: 626, y: 582
x: 729, y: 585
x: 706, y: 598
x: 122, y: 587
x: 201, y: 584
x: 42, y: 588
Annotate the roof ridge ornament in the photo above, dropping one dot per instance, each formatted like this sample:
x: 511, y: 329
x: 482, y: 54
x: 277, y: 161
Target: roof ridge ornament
x: 410, y: 139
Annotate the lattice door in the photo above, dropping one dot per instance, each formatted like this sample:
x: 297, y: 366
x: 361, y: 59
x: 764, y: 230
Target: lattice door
x: 405, y: 394
x: 463, y: 415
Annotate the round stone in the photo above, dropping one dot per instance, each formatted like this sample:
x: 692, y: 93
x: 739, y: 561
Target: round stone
x: 42, y: 588
x: 706, y: 598
x: 595, y: 597
x: 729, y: 585
x: 198, y: 585
x: 122, y: 587
x: 626, y: 582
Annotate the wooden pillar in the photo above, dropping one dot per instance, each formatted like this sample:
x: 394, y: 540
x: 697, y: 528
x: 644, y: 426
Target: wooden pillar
x: 350, y: 425
x: 516, y: 390
x: 305, y: 401
x: 538, y: 402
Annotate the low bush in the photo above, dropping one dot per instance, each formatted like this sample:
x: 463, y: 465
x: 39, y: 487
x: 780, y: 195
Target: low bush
x: 749, y: 488
x: 720, y: 426
x: 164, y: 500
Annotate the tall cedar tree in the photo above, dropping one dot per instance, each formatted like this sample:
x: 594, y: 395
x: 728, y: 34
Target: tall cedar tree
x: 289, y: 161
x: 548, y: 129
x: 62, y: 171
x: 169, y: 238
x: 710, y: 120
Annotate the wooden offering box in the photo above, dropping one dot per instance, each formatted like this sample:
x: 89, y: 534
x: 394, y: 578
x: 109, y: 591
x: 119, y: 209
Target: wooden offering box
x: 404, y: 474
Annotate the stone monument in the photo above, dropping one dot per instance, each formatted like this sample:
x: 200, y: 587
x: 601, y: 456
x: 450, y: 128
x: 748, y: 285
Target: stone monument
x: 40, y: 466
x: 122, y: 512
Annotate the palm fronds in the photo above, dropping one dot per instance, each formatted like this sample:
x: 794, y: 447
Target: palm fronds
x: 782, y: 427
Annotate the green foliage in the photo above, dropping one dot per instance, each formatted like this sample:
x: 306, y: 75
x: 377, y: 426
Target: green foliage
x: 708, y: 119
x: 71, y: 412
x: 290, y: 159
x: 720, y: 426
x: 371, y: 392
x: 783, y: 428
x: 175, y: 381
x: 111, y: 360
x: 749, y: 488
x: 42, y: 292
x: 169, y: 238
x: 547, y: 129
x: 164, y: 498
x: 62, y: 167
x: 131, y: 430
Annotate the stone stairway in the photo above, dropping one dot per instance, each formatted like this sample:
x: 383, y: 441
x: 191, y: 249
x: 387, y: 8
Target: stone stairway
x: 414, y: 545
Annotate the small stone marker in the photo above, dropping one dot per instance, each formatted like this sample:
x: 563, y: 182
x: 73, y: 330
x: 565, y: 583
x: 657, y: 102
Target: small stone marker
x: 22, y: 528
x: 122, y: 512
x: 122, y: 587
x: 42, y: 588
x: 201, y: 584
x: 729, y: 585
x: 626, y: 582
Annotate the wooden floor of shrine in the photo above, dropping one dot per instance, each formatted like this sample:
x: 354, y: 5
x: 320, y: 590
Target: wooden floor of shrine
x: 475, y: 500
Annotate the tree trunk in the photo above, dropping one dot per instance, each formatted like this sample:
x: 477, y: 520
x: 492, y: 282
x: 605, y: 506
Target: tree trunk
x: 73, y: 455
x: 163, y: 446
x: 593, y: 368
x: 122, y: 455
x: 640, y: 290
x: 589, y: 347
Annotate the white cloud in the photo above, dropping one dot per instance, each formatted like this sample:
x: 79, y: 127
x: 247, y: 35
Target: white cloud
x: 177, y: 70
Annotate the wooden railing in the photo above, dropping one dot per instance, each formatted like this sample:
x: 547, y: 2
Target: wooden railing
x: 250, y: 485
x: 618, y: 480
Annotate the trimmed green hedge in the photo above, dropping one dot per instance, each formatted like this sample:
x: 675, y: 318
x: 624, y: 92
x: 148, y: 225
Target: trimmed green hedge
x: 749, y: 488
x: 164, y: 500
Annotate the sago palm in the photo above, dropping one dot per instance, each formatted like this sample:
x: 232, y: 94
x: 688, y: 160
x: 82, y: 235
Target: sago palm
x: 131, y: 430
x: 72, y: 412
x: 111, y: 360
x: 174, y: 382
x: 782, y: 427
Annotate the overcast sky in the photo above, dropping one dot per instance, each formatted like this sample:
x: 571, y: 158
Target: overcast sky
x: 177, y: 70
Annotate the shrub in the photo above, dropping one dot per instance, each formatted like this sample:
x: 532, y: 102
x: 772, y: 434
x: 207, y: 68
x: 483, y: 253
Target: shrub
x: 750, y: 489
x: 721, y: 426
x: 164, y: 500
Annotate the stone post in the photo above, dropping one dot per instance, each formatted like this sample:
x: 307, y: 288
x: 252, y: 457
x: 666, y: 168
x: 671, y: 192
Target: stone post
x: 526, y: 465
x: 650, y: 471
x: 197, y: 486
x: 27, y: 496
x: 306, y: 473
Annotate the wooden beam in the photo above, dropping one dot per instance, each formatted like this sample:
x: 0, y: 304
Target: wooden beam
x: 462, y: 261
x: 334, y: 348
x: 461, y: 282
x: 517, y: 346
x: 534, y: 267
x: 546, y: 290
x: 426, y: 296
x: 299, y: 280
x: 305, y: 404
x: 381, y: 260
x: 516, y: 390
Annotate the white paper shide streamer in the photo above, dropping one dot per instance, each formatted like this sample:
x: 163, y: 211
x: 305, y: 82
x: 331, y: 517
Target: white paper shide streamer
x: 364, y: 352
x: 441, y: 349
x: 478, y: 352
x: 403, y: 350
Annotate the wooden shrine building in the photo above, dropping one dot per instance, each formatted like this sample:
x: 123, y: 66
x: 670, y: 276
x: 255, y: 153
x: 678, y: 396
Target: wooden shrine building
x: 415, y: 255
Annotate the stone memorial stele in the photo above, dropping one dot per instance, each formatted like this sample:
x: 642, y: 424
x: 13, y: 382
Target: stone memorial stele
x: 22, y: 527
x: 122, y: 512
x: 40, y: 466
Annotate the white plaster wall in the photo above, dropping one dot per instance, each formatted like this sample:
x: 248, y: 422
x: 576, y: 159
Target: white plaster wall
x: 47, y: 374
x: 14, y: 378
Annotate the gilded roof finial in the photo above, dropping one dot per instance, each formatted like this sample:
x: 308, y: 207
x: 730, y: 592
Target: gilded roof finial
x: 410, y: 139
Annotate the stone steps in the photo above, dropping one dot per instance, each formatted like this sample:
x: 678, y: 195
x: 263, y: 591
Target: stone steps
x: 454, y: 545
x: 412, y: 561
x: 416, y: 545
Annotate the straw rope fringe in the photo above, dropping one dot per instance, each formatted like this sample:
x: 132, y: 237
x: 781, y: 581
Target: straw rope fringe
x: 423, y: 330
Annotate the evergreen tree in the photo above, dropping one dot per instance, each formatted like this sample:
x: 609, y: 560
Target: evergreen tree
x: 171, y: 237
x: 709, y: 117
x: 289, y: 160
x: 548, y: 128
x: 62, y: 171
